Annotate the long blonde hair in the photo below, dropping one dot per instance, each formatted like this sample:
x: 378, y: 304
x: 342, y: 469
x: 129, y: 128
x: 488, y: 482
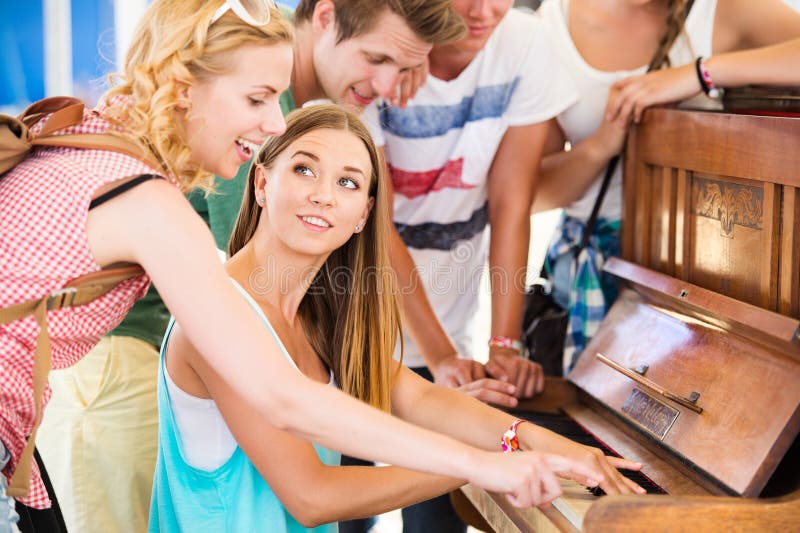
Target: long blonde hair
x: 175, y: 45
x: 349, y: 313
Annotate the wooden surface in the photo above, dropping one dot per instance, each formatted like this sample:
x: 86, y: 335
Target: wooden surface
x: 748, y: 392
x: 467, y: 512
x: 654, y: 514
x: 761, y: 99
x: 759, y: 325
x: 503, y: 517
x: 670, y: 514
x: 712, y: 198
x: 711, y: 204
x: 745, y: 363
x: 688, y: 508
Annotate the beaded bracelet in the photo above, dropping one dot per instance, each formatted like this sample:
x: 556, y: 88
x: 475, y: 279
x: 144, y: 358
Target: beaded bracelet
x: 510, y: 442
x: 500, y: 341
x: 704, y: 77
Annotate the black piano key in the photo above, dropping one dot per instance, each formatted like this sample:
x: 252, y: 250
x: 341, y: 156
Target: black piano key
x: 565, y: 426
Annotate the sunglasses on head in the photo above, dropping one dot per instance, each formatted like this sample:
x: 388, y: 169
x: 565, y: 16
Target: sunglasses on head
x: 253, y: 12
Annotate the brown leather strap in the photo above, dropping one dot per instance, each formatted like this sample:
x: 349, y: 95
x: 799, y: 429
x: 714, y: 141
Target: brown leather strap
x: 100, y: 141
x: 64, y: 111
x: 72, y: 115
x: 20, y: 482
x: 108, y: 276
x: 77, y: 292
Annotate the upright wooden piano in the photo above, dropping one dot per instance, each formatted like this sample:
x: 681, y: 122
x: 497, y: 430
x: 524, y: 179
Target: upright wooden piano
x: 696, y: 369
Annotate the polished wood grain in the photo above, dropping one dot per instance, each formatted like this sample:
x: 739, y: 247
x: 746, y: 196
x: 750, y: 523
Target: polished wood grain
x: 748, y: 391
x: 754, y: 323
x: 789, y: 280
x: 709, y: 302
x: 467, y: 512
x: 745, y: 363
x: 713, y: 200
x: 623, y: 514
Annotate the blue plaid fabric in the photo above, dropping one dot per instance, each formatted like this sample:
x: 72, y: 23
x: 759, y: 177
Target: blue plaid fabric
x: 591, y: 291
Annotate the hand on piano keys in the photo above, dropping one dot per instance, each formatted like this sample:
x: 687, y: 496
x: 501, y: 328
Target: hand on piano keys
x: 528, y: 478
x: 534, y: 437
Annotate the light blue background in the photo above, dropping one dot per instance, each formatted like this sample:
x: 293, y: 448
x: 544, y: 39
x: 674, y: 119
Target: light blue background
x: 22, y: 50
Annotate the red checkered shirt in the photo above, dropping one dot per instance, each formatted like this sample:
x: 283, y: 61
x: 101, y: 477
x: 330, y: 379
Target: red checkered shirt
x: 44, y: 202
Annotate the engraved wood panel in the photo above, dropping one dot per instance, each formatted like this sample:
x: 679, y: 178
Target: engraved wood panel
x: 712, y: 198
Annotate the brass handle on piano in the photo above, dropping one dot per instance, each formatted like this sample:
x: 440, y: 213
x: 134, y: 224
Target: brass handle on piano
x: 689, y: 403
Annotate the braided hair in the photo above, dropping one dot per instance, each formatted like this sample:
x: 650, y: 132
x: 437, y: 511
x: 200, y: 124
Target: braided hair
x: 678, y: 9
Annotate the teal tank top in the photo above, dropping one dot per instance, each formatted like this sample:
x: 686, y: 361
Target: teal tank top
x: 232, y: 498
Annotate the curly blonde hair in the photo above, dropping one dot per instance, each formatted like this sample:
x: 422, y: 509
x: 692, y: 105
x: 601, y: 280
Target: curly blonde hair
x: 175, y: 46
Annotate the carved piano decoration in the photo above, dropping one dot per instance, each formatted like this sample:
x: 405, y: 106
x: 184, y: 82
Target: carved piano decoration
x: 713, y: 199
x: 696, y: 370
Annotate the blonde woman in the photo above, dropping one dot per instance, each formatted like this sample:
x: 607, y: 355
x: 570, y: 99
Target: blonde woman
x: 191, y: 98
x: 309, y: 253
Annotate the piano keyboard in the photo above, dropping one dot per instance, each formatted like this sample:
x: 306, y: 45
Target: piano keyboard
x: 564, y: 425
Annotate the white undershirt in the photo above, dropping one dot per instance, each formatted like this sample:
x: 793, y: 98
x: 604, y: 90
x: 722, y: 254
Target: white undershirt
x: 582, y: 119
x: 206, y: 440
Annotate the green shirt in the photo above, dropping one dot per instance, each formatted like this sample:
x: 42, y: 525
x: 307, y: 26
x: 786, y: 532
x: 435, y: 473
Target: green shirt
x: 148, y: 318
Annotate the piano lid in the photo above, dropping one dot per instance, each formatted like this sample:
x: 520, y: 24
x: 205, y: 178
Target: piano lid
x: 759, y: 99
x: 714, y: 381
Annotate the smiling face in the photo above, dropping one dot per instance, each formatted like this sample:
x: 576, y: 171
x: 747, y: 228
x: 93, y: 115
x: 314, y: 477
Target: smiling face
x: 358, y: 69
x: 481, y: 18
x: 230, y: 115
x: 317, y: 191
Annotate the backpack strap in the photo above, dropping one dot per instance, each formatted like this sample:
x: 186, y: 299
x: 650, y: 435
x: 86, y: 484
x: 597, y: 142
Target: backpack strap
x: 77, y: 292
x: 655, y: 64
x: 99, y: 141
x: 62, y: 112
x: 17, y: 141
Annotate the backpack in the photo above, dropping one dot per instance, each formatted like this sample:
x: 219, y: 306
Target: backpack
x: 16, y: 143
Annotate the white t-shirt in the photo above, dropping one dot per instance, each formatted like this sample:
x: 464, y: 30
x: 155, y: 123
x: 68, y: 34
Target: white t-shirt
x: 440, y: 148
x: 583, y: 118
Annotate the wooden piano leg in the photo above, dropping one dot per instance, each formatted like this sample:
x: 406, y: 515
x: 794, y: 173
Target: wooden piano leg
x: 467, y: 512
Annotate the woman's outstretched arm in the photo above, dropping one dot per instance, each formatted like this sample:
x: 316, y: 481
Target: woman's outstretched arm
x: 154, y: 225
x: 482, y: 426
x: 313, y: 492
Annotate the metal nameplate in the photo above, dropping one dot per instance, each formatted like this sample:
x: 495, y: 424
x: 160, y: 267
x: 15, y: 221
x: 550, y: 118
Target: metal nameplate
x: 652, y: 415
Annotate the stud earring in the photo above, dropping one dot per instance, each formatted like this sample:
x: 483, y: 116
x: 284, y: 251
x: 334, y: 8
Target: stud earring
x: 260, y: 200
x: 358, y: 227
